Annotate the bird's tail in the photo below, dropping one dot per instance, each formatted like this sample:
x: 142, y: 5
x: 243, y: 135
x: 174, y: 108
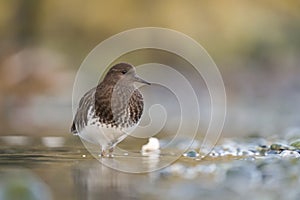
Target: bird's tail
x: 73, y: 129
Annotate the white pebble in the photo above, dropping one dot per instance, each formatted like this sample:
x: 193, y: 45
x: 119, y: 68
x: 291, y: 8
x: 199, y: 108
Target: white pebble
x: 289, y: 154
x: 152, y: 145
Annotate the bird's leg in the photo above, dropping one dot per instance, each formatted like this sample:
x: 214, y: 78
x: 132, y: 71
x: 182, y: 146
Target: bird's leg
x: 102, y: 154
x: 110, y: 150
x: 103, y: 151
x: 107, y: 152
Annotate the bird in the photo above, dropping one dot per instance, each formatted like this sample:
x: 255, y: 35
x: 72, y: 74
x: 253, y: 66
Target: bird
x: 108, y: 112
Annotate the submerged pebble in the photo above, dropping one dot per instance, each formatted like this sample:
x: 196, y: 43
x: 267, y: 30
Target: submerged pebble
x: 262, y: 170
x: 258, y: 149
x: 191, y: 154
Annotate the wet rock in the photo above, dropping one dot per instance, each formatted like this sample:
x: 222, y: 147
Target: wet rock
x: 280, y: 147
x: 272, y: 152
x: 245, y: 152
x: 274, y: 155
x: 191, y: 154
x: 296, y: 144
x: 262, y: 149
x: 289, y: 154
x: 230, y: 152
x: 152, y: 145
x: 214, y: 153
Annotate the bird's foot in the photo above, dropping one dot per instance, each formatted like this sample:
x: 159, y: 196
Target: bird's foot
x: 107, y: 153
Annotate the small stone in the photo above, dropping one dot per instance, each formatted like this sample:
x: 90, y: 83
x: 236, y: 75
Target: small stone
x: 289, y: 154
x: 245, y: 153
x: 152, y: 145
x: 296, y: 144
x: 263, y: 146
x: 214, y: 153
x: 277, y: 146
x: 191, y: 154
x: 262, y: 149
x: 272, y: 152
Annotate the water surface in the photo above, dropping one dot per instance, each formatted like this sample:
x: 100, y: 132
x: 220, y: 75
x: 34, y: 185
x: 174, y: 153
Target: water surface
x: 64, y: 169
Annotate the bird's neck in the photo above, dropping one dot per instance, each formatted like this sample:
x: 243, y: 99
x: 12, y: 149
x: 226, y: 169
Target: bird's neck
x: 115, y: 88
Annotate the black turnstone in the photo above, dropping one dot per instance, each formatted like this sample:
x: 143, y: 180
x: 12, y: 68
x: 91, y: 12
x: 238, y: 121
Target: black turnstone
x: 109, y: 111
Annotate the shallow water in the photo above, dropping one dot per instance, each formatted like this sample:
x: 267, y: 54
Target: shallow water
x: 36, y: 169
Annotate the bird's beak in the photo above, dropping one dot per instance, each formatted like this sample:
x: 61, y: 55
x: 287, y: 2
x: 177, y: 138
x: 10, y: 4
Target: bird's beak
x: 140, y: 80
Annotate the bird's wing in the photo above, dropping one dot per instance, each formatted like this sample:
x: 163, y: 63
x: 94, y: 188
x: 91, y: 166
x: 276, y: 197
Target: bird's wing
x: 85, y: 103
x: 73, y: 129
x: 136, y: 106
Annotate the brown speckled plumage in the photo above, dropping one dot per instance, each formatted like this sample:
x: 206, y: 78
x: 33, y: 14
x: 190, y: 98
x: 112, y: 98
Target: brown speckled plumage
x: 114, y: 103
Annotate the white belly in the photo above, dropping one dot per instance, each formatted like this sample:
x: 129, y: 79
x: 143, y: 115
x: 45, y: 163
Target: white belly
x: 102, y: 135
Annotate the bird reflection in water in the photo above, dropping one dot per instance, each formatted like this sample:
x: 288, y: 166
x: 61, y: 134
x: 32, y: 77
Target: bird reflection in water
x: 94, y: 181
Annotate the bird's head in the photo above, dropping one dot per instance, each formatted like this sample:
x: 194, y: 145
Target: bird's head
x: 125, y: 73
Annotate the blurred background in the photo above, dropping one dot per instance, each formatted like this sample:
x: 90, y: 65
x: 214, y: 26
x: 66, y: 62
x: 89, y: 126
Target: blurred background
x: 255, y: 44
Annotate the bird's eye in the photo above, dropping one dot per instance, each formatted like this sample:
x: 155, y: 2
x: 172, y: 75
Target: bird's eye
x: 124, y: 72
